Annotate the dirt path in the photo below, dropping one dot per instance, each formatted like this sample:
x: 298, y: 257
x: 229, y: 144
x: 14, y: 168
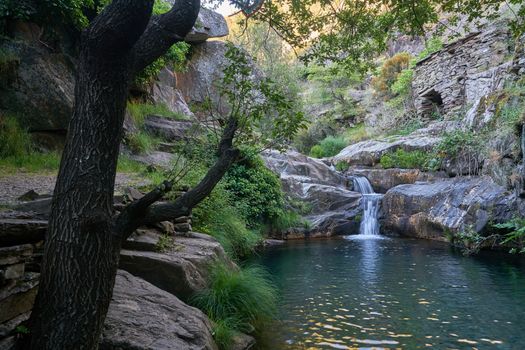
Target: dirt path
x: 15, y: 185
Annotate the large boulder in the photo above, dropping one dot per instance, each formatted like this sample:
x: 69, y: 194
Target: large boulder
x: 432, y: 210
x: 144, y: 317
x: 209, y: 24
x: 180, y: 267
x: 170, y: 129
x: 164, y: 91
x: 369, y: 153
x: 332, y: 206
x: 38, y: 85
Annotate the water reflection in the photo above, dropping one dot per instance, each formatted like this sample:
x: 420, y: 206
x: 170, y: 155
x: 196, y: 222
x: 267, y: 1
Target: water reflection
x: 395, y: 294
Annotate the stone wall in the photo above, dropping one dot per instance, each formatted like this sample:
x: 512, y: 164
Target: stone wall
x: 464, y: 71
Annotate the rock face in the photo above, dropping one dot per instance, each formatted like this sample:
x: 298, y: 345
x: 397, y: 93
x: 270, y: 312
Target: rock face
x: 180, y: 268
x: 164, y: 91
x: 144, y: 317
x: 368, y: 153
x: 463, y: 72
x: 209, y: 24
x: 39, y: 85
x: 384, y: 179
x: 430, y: 210
x: 170, y: 129
x: 333, y: 207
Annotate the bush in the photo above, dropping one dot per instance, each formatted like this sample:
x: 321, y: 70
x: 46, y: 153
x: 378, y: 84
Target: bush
x: 256, y: 191
x: 407, y: 160
x: 237, y: 301
x: 328, y: 147
x: 464, y: 148
x: 389, y: 72
x: 218, y: 217
x: 515, y: 234
x: 14, y: 141
x: 141, y: 142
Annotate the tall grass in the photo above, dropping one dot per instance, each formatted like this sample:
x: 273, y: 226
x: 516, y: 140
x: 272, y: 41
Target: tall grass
x: 237, y: 300
x: 139, y: 111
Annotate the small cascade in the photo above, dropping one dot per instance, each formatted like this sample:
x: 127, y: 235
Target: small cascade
x: 371, y: 200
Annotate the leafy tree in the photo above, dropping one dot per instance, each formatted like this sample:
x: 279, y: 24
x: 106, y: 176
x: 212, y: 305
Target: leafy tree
x: 84, y: 235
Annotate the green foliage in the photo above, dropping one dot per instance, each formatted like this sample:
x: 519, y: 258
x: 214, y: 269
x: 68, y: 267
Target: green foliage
x: 139, y: 111
x: 32, y: 162
x: 403, y: 84
x: 389, y: 73
x: 164, y: 243
x: 218, y: 217
x: 516, y: 234
x: 407, y: 160
x: 433, y: 45
x: 237, y: 300
x: 464, y: 147
x: 469, y: 240
x: 174, y: 58
x: 14, y: 141
x: 328, y: 147
x: 256, y: 191
x: 141, y: 142
x: 342, y: 166
x: 286, y: 220
x: 356, y: 134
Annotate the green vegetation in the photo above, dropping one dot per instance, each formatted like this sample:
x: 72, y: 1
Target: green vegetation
x: 407, y: 160
x: 389, y: 73
x: 139, y: 111
x: 237, y: 300
x: 516, y: 234
x: 164, y: 243
x: 17, y: 152
x: 174, y: 58
x: 141, y: 142
x: 328, y: 147
x: 465, y: 148
x: 356, y: 134
x: 256, y: 189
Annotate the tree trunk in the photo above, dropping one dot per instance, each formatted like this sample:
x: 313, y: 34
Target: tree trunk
x: 81, y: 251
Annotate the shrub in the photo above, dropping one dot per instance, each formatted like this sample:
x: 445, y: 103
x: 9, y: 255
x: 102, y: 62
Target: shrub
x: 14, y: 141
x: 389, y: 72
x: 256, y: 191
x: 139, y: 111
x: 328, y: 147
x: 465, y: 148
x: 141, y: 142
x: 218, y: 217
x: 407, y: 160
x: 237, y: 301
x: 174, y: 58
x: 516, y: 234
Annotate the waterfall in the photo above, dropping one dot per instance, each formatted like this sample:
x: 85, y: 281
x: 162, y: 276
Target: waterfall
x: 369, y: 221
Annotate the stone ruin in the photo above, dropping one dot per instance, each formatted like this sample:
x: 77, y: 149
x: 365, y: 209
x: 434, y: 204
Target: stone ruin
x: 458, y: 76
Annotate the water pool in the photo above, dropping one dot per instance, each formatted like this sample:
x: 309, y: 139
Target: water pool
x: 395, y: 294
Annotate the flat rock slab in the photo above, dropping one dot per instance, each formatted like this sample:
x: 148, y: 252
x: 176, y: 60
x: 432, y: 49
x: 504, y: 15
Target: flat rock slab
x: 180, y: 270
x: 369, y: 153
x: 144, y: 317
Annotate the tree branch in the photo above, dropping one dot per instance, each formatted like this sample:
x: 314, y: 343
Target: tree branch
x: 116, y: 30
x: 165, y: 30
x: 147, y: 213
x: 130, y: 218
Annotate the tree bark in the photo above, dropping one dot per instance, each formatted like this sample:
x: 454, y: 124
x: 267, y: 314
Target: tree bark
x: 82, y: 243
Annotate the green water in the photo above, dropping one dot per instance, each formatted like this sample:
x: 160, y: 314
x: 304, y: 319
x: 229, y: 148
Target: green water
x: 395, y: 294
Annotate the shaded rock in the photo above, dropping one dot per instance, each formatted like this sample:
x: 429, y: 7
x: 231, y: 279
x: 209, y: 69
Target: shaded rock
x: 170, y: 129
x: 41, y: 90
x: 430, y: 210
x: 40, y: 208
x: 144, y: 317
x: 158, y: 159
x: 30, y: 195
x: 242, y: 342
x: 8, y: 343
x: 197, y: 83
x: 368, y: 153
x: 21, y: 231
x: 181, y: 270
x: 18, y: 299
x: 209, y: 24
x: 164, y: 91
x: 384, y: 179
x: 8, y: 327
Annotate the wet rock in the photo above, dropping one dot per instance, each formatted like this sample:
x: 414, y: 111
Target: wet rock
x: 430, y: 210
x: 180, y: 269
x: 384, y: 179
x: 144, y: 317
